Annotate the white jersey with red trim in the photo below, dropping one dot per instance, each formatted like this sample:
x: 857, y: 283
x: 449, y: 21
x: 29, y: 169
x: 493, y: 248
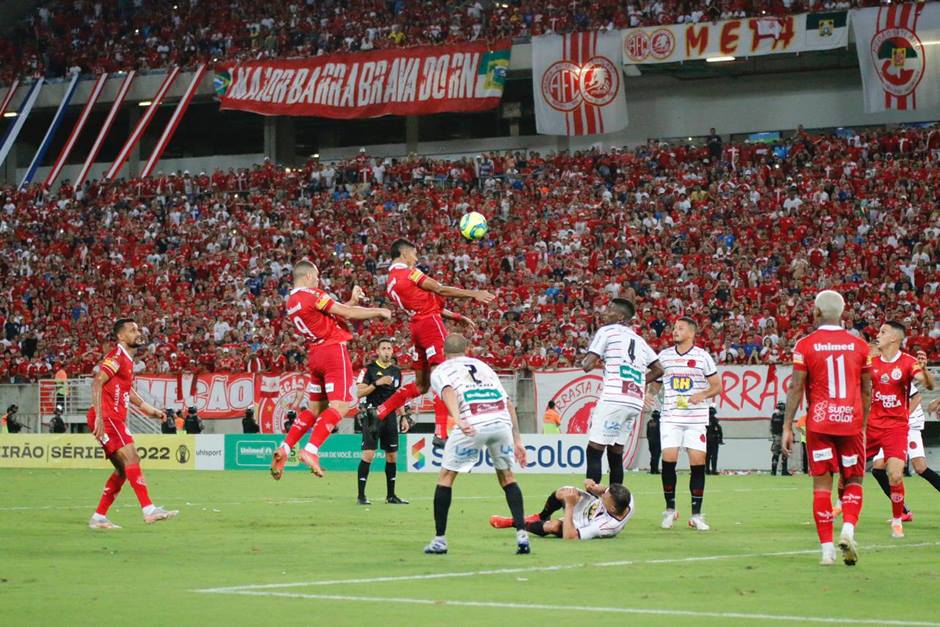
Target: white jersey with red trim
x: 481, y: 397
x: 592, y: 520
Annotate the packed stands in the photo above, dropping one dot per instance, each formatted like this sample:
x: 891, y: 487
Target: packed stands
x: 738, y: 236
x: 94, y: 35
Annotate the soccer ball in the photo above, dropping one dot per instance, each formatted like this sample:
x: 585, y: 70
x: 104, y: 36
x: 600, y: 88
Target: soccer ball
x: 473, y: 226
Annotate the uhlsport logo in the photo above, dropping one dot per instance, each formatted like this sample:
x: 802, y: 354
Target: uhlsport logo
x: 417, y: 455
x: 575, y: 401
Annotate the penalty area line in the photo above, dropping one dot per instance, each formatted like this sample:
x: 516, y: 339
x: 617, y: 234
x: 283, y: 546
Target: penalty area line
x: 583, y: 608
x: 534, y: 569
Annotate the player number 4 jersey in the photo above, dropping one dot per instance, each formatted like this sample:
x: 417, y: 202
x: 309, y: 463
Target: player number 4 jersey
x: 891, y: 383
x: 626, y: 357
x: 481, y: 397
x: 834, y: 361
x: 684, y: 374
x: 592, y: 520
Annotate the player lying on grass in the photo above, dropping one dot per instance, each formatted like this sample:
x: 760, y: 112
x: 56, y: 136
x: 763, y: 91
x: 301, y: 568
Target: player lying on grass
x: 598, y: 511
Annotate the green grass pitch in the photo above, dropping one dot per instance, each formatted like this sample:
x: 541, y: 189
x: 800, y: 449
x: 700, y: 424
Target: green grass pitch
x: 241, y: 533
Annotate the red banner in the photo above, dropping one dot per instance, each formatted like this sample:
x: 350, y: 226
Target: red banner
x: 405, y: 81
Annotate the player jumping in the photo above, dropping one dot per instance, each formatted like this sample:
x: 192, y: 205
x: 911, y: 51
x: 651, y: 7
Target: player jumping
x: 690, y: 380
x: 893, y: 373
x: 629, y: 363
x: 832, y: 366
x: 421, y: 297
x: 597, y: 511
x: 112, y: 390
x: 320, y: 320
x: 486, y: 419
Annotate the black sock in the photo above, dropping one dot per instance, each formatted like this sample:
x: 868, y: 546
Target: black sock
x: 932, y: 477
x: 881, y: 476
x: 391, y: 472
x: 514, y: 499
x: 594, y: 464
x: 669, y: 484
x: 552, y: 505
x: 773, y: 464
x: 537, y: 527
x: 442, y: 496
x: 615, y: 460
x: 697, y: 488
x: 783, y: 467
x: 363, y: 477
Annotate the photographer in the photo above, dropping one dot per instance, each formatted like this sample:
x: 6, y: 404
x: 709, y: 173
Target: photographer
x: 168, y: 424
x: 9, y: 420
x: 249, y: 425
x: 193, y: 424
x: 652, y: 440
x: 776, y: 435
x: 57, y: 424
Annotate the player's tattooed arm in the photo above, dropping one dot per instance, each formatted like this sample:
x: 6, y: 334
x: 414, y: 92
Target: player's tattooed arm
x: 447, y: 291
x: 146, y: 408
x: 924, y: 376
x: 96, y: 384
x: 569, y: 531
x: 655, y: 371
x: 597, y: 489
x: 794, y: 397
x: 360, y: 313
x: 456, y: 317
x: 590, y: 362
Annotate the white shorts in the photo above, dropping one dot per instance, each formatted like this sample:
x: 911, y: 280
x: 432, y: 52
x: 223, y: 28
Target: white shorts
x: 462, y: 453
x: 613, y: 423
x: 915, y: 446
x: 689, y: 437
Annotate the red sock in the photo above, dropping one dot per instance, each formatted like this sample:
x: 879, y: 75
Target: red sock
x: 822, y: 514
x: 897, y: 500
x: 324, y: 427
x: 301, y: 425
x: 111, y: 490
x: 136, y: 479
x: 852, y: 503
x: 441, y: 416
x: 404, y: 394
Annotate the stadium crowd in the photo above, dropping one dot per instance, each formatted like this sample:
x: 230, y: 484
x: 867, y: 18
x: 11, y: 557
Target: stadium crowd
x: 738, y: 236
x: 95, y: 36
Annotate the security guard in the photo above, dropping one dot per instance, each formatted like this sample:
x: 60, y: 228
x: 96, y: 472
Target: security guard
x: 376, y: 383
x: 776, y: 436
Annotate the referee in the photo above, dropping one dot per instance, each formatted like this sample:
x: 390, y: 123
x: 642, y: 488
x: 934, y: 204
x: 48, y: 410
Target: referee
x: 376, y: 383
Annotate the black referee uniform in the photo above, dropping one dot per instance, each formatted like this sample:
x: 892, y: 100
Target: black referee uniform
x: 386, y: 435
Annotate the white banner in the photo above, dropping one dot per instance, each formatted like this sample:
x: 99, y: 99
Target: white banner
x: 749, y: 37
x: 577, y: 80
x: 748, y: 393
x: 898, y: 49
x: 555, y: 454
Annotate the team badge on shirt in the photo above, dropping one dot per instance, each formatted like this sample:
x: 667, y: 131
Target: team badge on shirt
x: 896, y: 374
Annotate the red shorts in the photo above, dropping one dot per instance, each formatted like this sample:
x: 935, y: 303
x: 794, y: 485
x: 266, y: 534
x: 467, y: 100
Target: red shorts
x: 843, y: 454
x: 428, y: 335
x: 891, y: 439
x: 115, y: 435
x: 331, y: 375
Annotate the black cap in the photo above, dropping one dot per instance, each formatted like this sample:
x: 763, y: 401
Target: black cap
x: 712, y: 411
x: 250, y: 412
x: 781, y: 405
x: 655, y: 414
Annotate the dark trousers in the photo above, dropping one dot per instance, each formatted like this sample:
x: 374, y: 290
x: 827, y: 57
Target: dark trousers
x: 655, y: 452
x: 711, y: 459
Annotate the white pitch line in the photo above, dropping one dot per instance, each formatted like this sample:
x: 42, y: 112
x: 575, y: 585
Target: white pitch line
x: 533, y: 569
x: 587, y: 608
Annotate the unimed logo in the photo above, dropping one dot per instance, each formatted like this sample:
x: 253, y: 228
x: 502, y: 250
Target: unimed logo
x: 416, y: 453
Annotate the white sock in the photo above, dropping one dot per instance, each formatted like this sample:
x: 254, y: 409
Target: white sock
x: 848, y: 529
x: 828, y: 547
x: 150, y: 509
x: 285, y: 448
x: 312, y: 448
x: 99, y: 517
x: 522, y: 535
x: 895, y: 521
